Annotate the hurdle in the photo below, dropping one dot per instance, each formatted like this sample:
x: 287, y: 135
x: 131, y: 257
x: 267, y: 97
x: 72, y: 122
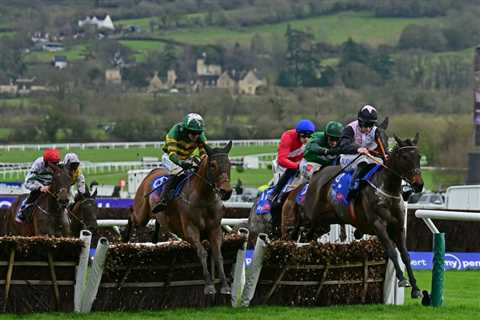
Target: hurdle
x: 439, y: 245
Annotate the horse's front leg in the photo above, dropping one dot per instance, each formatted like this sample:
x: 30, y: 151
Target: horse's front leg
x: 65, y: 223
x: 192, y: 235
x: 381, y: 231
x: 401, y: 242
x: 216, y: 238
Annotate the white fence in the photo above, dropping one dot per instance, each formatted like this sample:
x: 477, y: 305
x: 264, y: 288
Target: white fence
x: 126, y: 145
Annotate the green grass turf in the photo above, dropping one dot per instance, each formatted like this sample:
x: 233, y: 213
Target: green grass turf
x: 462, y: 289
x: 440, y: 180
x: 118, y: 154
x: 142, y: 47
x: 73, y: 53
x: 16, y: 102
x: 335, y: 29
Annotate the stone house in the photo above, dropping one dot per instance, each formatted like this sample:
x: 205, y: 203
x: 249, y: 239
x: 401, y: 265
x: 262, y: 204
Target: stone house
x: 204, y: 69
x: 59, y: 62
x: 113, y: 76
x: 251, y: 82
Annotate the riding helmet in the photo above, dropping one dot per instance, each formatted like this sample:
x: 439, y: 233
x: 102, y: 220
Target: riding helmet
x: 334, y: 129
x: 305, y: 126
x: 71, y: 158
x: 368, y: 115
x: 193, y: 122
x: 51, y: 155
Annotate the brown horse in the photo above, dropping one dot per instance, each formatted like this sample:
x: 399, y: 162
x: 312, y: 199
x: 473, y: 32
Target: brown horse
x: 48, y: 215
x: 377, y: 210
x: 83, y: 214
x: 197, y: 212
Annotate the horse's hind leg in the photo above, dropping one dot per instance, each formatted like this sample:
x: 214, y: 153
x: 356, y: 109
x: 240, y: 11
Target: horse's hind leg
x: 156, y: 232
x: 192, y: 235
x: 216, y: 238
x: 401, y: 243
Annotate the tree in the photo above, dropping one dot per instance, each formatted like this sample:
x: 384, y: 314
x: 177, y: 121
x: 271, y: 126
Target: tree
x: 168, y: 57
x: 422, y: 37
x: 303, y: 67
x: 53, y: 121
x: 353, y: 52
x: 12, y: 64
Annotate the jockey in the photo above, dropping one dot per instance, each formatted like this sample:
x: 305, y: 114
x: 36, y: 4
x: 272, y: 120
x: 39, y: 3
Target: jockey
x: 290, y: 153
x: 180, y: 143
x: 318, y: 148
x: 37, y: 180
x: 359, y: 137
x: 72, y: 162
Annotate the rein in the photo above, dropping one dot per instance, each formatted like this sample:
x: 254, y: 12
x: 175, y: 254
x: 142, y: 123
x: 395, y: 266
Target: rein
x: 382, y: 148
x: 390, y: 169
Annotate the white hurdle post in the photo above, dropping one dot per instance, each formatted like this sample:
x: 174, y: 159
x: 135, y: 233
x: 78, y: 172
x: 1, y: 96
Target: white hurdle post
x: 239, y: 273
x: 96, y: 272
x: 253, y: 271
x: 80, y: 277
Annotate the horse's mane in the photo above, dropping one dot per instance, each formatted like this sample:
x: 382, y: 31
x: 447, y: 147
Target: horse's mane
x: 406, y: 143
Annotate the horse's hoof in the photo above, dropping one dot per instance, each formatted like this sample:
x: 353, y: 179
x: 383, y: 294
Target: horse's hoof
x: 416, y: 293
x: 209, y: 290
x: 226, y: 290
x: 403, y: 283
x: 358, y: 234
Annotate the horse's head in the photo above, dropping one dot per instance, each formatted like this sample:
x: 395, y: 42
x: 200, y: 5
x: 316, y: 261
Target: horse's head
x: 60, y: 186
x: 218, y: 169
x: 406, y: 161
x: 85, y: 210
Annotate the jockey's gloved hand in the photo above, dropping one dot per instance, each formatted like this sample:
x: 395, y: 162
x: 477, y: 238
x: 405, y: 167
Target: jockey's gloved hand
x: 323, y: 151
x: 186, y: 164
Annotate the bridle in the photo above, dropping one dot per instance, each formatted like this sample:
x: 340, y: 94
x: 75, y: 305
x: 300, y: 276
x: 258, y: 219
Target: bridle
x: 209, y: 180
x: 79, y: 203
x: 406, y: 177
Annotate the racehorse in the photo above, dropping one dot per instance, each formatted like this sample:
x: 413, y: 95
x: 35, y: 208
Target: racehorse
x: 83, y: 214
x: 48, y: 215
x: 377, y: 210
x: 196, y: 212
x: 292, y: 214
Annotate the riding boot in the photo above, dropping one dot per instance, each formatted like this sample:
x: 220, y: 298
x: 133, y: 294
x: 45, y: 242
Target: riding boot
x: 23, y: 212
x: 167, y: 194
x: 275, y: 195
x: 354, y: 187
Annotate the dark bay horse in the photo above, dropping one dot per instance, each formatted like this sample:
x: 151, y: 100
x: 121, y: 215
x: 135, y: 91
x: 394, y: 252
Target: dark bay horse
x: 378, y: 209
x: 83, y: 214
x: 48, y: 215
x: 197, y: 212
x: 292, y: 214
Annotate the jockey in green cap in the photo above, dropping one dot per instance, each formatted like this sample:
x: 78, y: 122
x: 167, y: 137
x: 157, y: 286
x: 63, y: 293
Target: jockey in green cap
x: 183, y: 139
x: 318, y: 149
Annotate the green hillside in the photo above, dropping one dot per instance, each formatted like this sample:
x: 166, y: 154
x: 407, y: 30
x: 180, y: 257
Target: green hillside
x: 334, y: 29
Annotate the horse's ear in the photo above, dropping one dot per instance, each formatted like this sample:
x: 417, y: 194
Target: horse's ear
x: 208, y: 149
x: 228, y: 147
x: 417, y: 137
x: 398, y: 140
x: 94, y: 194
x: 384, y: 124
